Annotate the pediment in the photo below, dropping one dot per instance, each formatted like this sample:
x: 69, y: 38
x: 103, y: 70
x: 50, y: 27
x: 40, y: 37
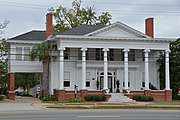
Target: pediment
x: 118, y: 29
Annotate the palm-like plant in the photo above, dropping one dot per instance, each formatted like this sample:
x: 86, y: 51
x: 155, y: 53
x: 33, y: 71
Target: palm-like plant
x: 41, y: 52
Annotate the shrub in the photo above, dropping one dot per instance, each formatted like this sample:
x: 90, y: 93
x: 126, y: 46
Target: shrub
x: 2, y: 97
x: 48, y: 98
x: 95, y: 98
x: 88, y: 98
x: 142, y: 98
x: 75, y: 100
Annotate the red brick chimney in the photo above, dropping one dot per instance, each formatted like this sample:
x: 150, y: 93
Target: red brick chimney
x: 49, y: 27
x: 149, y: 26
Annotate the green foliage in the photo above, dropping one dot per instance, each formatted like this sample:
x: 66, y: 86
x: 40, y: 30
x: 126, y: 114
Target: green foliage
x: 95, y: 98
x: 2, y: 97
x: 177, y: 97
x: 67, y: 18
x: 26, y: 80
x: 42, y: 52
x: 48, y: 98
x: 75, y: 100
x: 174, y: 68
x: 142, y: 98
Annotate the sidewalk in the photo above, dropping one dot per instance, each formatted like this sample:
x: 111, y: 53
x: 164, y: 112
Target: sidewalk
x: 21, y: 103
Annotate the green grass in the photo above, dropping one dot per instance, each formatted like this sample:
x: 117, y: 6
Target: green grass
x: 175, y: 102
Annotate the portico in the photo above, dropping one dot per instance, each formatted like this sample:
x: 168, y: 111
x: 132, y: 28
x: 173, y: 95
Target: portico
x: 105, y: 64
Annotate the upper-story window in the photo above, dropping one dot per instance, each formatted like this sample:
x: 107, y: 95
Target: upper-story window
x: 99, y: 54
x: 26, y: 53
x: 131, y: 55
x: 67, y: 53
x: 18, y: 53
x: 111, y: 55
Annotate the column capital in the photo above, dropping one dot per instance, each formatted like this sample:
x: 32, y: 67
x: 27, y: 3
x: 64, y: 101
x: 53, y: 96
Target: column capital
x: 126, y: 50
x: 167, y: 51
x: 84, y: 49
x: 146, y: 50
x: 105, y: 49
x: 61, y: 48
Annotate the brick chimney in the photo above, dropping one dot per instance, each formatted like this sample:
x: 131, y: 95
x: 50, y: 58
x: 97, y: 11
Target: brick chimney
x: 149, y: 26
x: 49, y: 27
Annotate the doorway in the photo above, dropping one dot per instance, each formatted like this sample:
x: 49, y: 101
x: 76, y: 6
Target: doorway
x: 110, y: 81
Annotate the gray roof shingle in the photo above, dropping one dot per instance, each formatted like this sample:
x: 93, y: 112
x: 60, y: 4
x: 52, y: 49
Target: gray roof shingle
x: 41, y: 35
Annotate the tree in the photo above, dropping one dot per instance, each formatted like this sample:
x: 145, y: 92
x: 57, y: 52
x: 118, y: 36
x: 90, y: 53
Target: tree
x: 68, y: 18
x: 3, y: 62
x: 41, y: 52
x: 3, y: 25
x: 26, y: 80
x: 174, y: 67
x: 65, y: 19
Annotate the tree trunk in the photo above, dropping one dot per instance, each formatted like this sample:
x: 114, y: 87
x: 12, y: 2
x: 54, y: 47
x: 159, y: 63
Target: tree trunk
x: 45, y: 82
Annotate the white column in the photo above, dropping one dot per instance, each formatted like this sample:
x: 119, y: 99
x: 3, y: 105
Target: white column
x: 83, y: 67
x: 126, y: 68
x: 105, y: 69
x: 146, y: 55
x: 167, y: 70
x: 61, y: 69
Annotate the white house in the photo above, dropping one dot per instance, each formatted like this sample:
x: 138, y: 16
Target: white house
x: 95, y: 57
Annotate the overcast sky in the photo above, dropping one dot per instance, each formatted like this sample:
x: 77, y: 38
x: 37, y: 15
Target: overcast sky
x: 27, y: 15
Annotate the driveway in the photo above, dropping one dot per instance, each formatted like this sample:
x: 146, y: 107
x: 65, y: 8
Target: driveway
x: 21, y: 103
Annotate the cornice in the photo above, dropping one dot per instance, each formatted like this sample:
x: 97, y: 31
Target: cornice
x: 57, y: 37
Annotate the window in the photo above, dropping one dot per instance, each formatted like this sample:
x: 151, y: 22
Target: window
x: 87, y: 83
x: 87, y: 79
x: 111, y: 55
x: 99, y: 54
x: 18, y: 53
x: 131, y: 56
x: 26, y: 53
x: 66, y: 79
x: 67, y: 53
x: 143, y: 79
x: 87, y: 75
x: 66, y: 83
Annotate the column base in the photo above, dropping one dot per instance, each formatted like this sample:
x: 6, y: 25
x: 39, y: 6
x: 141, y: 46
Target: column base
x: 168, y: 95
x: 11, y: 95
x: 147, y: 92
x: 83, y: 92
x: 61, y: 95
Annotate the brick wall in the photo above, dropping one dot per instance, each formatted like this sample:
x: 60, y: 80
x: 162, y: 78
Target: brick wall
x: 63, y: 95
x: 158, y: 95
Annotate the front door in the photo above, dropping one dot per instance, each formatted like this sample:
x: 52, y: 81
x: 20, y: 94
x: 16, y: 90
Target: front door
x: 110, y: 83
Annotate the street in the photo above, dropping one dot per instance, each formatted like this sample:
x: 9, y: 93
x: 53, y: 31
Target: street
x: 92, y: 114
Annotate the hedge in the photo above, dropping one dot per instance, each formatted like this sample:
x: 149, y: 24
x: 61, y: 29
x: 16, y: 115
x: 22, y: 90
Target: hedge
x: 142, y: 98
x: 95, y: 97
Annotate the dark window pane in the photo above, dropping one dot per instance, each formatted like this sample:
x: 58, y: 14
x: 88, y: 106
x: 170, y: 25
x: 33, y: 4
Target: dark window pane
x: 66, y: 83
x: 143, y: 84
x: 87, y: 83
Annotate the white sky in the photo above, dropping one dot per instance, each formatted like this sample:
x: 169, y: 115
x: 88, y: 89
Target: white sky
x: 27, y: 15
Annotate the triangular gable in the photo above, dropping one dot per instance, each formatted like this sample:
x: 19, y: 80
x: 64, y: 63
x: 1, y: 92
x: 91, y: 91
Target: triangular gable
x: 118, y: 29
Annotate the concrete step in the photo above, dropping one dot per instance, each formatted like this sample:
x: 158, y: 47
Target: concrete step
x: 119, y: 97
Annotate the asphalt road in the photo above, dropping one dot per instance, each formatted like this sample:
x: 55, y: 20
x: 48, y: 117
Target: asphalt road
x: 93, y: 114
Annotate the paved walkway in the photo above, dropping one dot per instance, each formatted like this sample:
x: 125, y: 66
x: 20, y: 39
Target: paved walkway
x: 21, y: 103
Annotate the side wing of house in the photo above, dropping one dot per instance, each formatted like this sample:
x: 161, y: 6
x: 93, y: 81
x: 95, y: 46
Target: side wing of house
x: 18, y: 56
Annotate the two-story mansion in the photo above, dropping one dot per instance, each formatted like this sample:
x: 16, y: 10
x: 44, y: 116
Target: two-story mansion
x: 95, y: 57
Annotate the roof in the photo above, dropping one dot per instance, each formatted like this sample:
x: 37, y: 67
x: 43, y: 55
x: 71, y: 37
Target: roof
x: 82, y: 30
x: 41, y: 35
x: 33, y: 35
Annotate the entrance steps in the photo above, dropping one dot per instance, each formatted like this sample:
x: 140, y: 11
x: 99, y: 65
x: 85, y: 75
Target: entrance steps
x: 119, y: 97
